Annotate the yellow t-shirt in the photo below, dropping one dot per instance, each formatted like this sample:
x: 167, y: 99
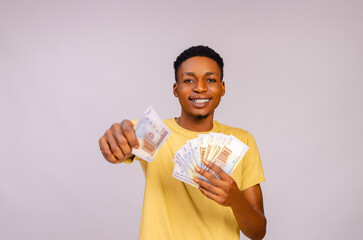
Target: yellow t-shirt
x: 175, y: 210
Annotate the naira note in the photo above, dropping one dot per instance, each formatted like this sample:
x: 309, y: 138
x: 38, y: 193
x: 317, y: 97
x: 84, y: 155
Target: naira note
x: 182, y: 159
x: 202, y: 146
x: 151, y: 133
x: 230, y: 154
x: 194, y: 155
x: 180, y: 174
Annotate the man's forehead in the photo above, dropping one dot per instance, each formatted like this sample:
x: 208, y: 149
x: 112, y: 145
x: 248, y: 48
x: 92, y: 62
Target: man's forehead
x: 199, y: 64
x: 199, y: 60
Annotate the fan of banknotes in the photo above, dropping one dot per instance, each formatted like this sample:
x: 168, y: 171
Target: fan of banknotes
x: 226, y: 151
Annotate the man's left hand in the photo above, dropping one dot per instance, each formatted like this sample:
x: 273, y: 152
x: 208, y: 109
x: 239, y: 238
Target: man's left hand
x: 224, y: 191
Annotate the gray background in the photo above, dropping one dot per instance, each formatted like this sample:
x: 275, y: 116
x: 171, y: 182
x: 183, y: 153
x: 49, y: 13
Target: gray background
x: 69, y: 69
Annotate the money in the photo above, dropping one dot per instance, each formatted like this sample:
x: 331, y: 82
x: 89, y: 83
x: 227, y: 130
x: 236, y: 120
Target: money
x: 181, y: 175
x: 151, y: 133
x: 226, y: 151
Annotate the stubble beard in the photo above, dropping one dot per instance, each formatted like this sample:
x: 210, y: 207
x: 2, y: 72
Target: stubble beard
x: 200, y: 117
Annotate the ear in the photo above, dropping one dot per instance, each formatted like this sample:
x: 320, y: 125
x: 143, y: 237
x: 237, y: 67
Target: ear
x: 223, y: 88
x: 175, y: 90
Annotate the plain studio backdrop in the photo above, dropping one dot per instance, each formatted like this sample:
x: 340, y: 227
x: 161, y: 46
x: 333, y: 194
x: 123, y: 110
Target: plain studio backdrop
x: 69, y: 69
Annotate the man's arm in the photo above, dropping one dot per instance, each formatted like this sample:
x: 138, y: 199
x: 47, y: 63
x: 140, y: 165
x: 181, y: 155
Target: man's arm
x: 247, y: 205
x: 250, y: 214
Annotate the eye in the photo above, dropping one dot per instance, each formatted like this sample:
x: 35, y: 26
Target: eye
x: 188, y: 80
x: 211, y: 80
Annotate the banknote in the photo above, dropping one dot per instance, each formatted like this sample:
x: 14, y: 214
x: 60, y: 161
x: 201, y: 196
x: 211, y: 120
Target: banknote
x: 181, y: 175
x: 151, y: 133
x: 215, y: 143
x: 183, y: 161
x: 230, y: 155
x: 202, y: 146
x: 193, y: 149
x: 243, y: 150
x: 226, y: 151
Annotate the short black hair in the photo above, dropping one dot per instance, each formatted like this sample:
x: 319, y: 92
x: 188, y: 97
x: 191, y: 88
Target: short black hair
x: 200, y: 51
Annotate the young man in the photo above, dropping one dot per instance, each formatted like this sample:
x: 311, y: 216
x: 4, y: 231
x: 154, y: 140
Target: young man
x: 172, y: 209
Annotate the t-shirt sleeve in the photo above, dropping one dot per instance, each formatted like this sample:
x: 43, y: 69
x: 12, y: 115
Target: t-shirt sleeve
x: 129, y: 160
x: 252, y: 172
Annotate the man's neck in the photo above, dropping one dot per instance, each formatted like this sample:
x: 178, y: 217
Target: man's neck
x: 196, y: 124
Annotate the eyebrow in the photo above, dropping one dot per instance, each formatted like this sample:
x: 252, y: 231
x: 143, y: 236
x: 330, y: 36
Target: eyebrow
x: 193, y: 74
x: 189, y: 74
x: 210, y: 73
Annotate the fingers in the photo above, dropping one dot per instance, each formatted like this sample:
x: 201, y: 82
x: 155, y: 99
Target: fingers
x: 117, y: 142
x: 106, y: 151
x: 208, y: 175
x: 211, y: 192
x: 114, y: 144
x: 219, y: 171
x: 224, y: 184
x: 212, y: 196
x: 222, y: 188
x: 209, y: 187
x: 129, y: 133
x: 122, y: 142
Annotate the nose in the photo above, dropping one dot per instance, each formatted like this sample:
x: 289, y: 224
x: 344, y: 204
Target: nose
x: 200, y: 86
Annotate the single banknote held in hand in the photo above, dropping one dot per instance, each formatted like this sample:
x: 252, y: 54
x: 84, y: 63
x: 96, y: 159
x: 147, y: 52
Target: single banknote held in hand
x: 226, y: 151
x: 151, y: 133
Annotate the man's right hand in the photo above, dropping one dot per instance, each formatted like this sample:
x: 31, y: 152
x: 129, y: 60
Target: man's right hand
x: 117, y: 142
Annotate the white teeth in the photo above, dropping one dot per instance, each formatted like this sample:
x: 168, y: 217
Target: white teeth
x: 200, y: 100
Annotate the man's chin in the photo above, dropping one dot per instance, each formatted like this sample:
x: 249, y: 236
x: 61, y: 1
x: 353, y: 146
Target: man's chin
x: 202, y: 116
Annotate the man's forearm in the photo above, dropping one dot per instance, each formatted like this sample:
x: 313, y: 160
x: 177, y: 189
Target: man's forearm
x: 251, y: 222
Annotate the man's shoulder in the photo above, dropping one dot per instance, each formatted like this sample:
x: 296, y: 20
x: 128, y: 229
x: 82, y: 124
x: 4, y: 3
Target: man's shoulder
x: 170, y: 123
x: 168, y: 120
x: 225, y: 127
x: 235, y: 131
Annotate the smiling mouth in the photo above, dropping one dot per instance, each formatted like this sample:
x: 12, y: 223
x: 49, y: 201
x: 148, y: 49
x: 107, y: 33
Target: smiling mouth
x: 201, y: 100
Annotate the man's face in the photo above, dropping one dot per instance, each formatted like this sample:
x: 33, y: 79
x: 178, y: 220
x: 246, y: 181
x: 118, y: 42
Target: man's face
x: 199, y: 87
